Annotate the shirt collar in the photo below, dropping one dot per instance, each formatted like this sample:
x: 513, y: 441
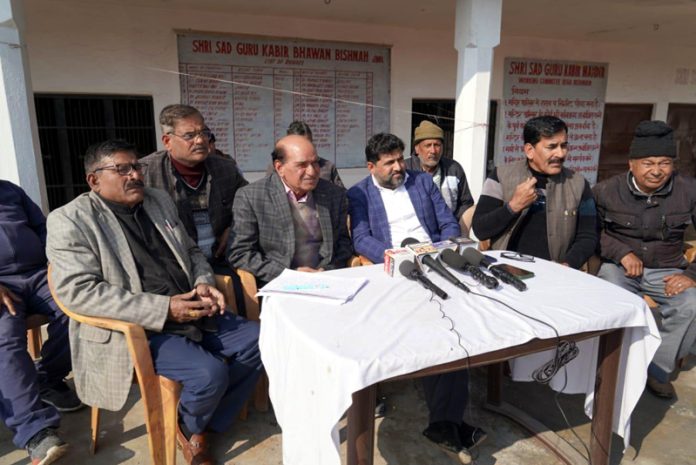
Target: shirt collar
x: 291, y: 194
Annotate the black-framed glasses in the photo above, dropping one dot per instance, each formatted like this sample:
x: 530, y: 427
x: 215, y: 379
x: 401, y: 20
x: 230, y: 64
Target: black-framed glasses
x: 191, y: 136
x: 123, y: 169
x: 520, y: 257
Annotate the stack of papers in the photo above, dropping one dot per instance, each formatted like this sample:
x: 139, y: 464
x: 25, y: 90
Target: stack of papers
x: 316, y: 286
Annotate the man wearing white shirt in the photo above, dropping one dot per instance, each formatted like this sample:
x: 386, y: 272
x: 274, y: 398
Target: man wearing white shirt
x: 386, y: 207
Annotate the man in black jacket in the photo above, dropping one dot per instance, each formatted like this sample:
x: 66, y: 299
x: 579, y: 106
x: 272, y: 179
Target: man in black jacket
x: 644, y: 213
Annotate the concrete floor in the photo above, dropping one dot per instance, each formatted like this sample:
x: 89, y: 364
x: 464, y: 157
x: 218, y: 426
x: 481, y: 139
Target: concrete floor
x: 663, y: 431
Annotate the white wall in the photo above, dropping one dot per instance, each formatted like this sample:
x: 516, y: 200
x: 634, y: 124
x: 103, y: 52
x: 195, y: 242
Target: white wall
x: 76, y: 46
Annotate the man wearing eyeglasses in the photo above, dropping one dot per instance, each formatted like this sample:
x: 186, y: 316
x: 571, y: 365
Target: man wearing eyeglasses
x: 644, y: 214
x: 202, y: 186
x: 121, y: 252
x: 536, y: 206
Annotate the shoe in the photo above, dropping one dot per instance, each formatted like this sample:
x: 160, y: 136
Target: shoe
x: 61, y: 397
x: 46, y: 447
x: 471, y: 436
x: 446, y: 435
x: 195, y: 449
x: 380, y: 407
x: 663, y: 390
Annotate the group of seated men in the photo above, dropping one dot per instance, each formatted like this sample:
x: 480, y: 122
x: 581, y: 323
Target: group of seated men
x: 144, y: 243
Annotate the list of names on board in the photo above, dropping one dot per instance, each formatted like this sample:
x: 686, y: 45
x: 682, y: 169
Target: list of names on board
x: 250, y: 89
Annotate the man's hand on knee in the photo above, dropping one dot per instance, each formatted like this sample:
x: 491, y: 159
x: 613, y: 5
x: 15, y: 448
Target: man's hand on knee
x: 677, y: 283
x: 8, y: 299
x: 632, y: 264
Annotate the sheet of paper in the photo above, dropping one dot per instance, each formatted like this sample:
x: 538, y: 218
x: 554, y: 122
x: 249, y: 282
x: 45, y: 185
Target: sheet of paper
x: 332, y: 289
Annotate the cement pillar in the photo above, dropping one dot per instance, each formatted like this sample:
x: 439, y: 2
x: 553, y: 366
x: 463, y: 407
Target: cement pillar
x: 477, y: 32
x: 20, y: 155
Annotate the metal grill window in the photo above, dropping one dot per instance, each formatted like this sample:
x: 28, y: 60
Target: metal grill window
x: 68, y: 124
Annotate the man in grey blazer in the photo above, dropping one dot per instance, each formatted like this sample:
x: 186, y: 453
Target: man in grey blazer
x: 290, y: 219
x: 121, y: 252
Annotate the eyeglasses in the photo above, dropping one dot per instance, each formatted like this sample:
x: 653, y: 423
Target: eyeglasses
x: 191, y: 136
x: 123, y: 169
x: 520, y: 257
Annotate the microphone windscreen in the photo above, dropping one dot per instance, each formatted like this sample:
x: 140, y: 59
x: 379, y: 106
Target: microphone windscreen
x: 452, y: 258
x: 472, y: 256
x: 409, y: 241
x: 407, y: 269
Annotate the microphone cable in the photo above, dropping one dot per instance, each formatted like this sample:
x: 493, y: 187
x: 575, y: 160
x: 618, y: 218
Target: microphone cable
x: 566, y: 351
x: 454, y: 330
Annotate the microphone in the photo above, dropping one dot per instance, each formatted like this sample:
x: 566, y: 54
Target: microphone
x: 409, y: 241
x: 456, y: 261
x: 409, y: 271
x: 474, y: 256
x: 438, y: 268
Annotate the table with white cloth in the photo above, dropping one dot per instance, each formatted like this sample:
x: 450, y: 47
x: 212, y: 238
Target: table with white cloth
x: 318, y: 356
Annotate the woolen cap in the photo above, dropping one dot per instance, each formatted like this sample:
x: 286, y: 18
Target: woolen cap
x: 427, y: 130
x: 652, y: 139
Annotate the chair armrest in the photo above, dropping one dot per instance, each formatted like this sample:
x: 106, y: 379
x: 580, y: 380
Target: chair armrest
x: 251, y: 302
x: 358, y: 260
x: 690, y: 254
x: 223, y: 283
x: 136, y: 339
x: 125, y: 327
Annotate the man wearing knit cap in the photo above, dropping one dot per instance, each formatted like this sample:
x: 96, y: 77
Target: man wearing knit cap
x: 447, y: 174
x: 644, y: 214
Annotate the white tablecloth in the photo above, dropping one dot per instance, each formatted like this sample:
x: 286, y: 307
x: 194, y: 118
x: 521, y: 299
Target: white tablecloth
x: 316, y: 356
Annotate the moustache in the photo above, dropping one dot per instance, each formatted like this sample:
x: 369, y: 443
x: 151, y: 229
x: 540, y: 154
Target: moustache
x: 133, y: 184
x: 200, y: 148
x: 556, y: 160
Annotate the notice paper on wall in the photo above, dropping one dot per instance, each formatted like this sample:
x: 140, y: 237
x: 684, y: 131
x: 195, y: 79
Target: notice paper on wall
x: 317, y: 286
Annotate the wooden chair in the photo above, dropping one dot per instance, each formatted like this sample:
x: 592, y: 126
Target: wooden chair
x: 160, y: 395
x: 253, y: 313
x: 34, y: 341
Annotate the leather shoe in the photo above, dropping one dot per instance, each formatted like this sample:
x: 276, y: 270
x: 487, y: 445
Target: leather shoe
x: 664, y: 390
x: 195, y: 449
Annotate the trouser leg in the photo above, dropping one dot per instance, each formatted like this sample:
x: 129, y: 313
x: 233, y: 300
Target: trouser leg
x: 55, y: 363
x: 678, y: 313
x: 446, y: 395
x: 237, y: 339
x: 203, y: 377
x: 21, y: 408
x: 616, y: 275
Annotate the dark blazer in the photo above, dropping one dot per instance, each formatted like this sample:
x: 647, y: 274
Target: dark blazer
x: 223, y: 181
x: 368, y: 218
x: 453, y: 177
x: 262, y: 240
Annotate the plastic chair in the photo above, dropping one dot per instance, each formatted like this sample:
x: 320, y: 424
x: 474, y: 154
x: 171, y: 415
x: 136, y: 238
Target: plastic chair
x: 253, y: 313
x: 160, y: 395
x: 34, y: 341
